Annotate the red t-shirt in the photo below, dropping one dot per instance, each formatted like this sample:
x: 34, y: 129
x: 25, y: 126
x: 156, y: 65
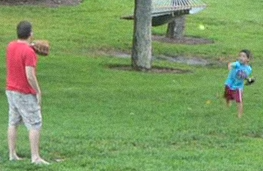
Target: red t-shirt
x: 19, y: 55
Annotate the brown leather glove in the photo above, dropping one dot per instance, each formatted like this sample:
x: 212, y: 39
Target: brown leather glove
x: 41, y: 47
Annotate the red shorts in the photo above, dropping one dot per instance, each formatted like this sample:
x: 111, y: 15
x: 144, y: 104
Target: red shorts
x: 236, y: 95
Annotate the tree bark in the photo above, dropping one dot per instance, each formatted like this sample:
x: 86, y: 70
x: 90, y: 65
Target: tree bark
x: 175, y: 29
x: 142, y: 36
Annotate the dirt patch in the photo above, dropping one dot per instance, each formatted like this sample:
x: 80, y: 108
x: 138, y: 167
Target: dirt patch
x: 154, y: 69
x: 47, y: 3
x: 185, y: 60
x: 194, y: 61
x: 184, y: 40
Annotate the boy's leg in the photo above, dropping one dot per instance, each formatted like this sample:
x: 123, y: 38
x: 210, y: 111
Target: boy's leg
x: 12, y: 137
x: 239, y: 100
x: 228, y: 103
x: 227, y: 96
x: 240, y: 109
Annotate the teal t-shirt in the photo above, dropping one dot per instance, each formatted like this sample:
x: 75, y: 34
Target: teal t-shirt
x: 237, y: 75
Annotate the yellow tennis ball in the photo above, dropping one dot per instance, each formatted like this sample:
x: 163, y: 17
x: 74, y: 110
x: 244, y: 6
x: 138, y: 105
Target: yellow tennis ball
x: 201, y: 27
x: 208, y: 102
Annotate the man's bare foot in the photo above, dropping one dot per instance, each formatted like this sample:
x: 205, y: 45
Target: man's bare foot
x: 15, y: 158
x: 40, y: 161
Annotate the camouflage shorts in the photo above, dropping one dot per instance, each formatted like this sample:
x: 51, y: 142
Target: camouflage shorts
x: 23, y: 108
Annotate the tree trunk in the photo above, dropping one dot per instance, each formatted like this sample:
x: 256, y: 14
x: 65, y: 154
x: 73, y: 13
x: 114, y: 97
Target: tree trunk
x: 142, y: 35
x: 175, y: 29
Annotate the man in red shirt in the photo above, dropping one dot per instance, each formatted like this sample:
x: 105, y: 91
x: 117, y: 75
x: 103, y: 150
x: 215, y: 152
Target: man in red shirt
x: 23, y: 92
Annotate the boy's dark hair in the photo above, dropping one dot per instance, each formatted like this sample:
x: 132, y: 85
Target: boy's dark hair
x: 247, y: 52
x: 23, y: 29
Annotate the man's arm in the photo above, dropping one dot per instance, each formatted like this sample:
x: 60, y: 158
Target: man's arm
x: 32, y: 80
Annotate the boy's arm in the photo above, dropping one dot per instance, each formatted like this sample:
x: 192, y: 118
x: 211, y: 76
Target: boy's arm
x: 250, y: 80
x: 230, y: 65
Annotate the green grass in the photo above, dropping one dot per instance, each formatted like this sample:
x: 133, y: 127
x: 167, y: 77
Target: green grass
x: 96, y: 118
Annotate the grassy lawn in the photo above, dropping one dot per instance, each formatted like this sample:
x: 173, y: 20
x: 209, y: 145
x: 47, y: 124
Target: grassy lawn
x: 97, y: 118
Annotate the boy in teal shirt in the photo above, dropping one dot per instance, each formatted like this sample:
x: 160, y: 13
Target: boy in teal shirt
x: 234, y: 85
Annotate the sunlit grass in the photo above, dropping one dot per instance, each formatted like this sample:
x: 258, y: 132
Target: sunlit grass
x: 97, y: 118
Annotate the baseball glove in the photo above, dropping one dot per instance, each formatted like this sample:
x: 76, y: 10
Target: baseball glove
x: 41, y: 47
x: 250, y: 81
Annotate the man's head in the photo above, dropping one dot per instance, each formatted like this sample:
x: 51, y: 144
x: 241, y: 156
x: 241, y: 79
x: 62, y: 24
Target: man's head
x: 24, y: 30
x: 244, y: 56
